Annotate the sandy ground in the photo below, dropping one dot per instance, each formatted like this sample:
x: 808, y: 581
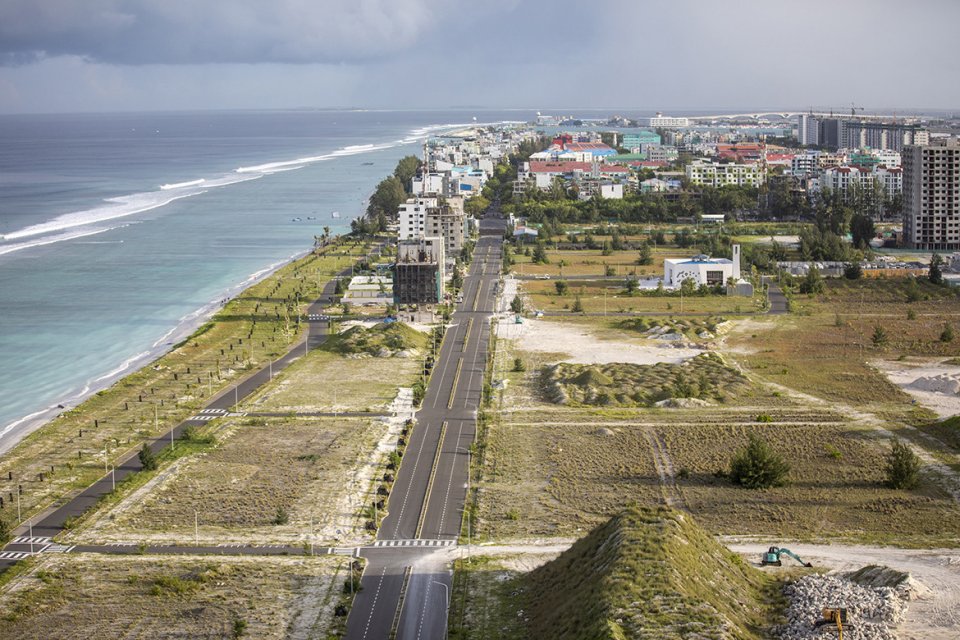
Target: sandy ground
x: 930, y: 383
x: 931, y: 616
x: 580, y: 346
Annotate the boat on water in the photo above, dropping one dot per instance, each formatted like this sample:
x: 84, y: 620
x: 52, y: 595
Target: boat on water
x: 367, y: 164
x: 296, y: 220
x: 335, y: 214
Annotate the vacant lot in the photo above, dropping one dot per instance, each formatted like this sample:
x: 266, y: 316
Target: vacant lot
x: 328, y: 381
x: 825, y: 349
x: 611, y: 297
x: 91, y: 596
x: 835, y: 487
x: 558, y: 470
x: 270, y: 480
x: 592, y: 262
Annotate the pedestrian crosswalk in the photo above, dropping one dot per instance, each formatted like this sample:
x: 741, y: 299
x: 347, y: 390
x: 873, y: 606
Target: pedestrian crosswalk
x: 13, y: 555
x: 59, y: 548
x: 210, y: 414
x: 33, y: 540
x: 415, y: 543
x: 314, y: 317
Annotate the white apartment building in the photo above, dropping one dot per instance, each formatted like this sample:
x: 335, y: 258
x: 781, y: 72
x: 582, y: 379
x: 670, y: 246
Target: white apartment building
x: 804, y: 163
x: 840, y: 179
x: 808, y: 129
x: 931, y: 195
x: 661, y: 120
x: 718, y: 175
x: 413, y: 217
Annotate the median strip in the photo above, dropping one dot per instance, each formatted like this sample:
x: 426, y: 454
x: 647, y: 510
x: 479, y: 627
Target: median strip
x: 433, y: 471
x: 453, y: 389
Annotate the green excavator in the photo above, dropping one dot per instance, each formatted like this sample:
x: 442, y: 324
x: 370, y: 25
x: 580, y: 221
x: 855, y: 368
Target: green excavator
x: 773, y: 554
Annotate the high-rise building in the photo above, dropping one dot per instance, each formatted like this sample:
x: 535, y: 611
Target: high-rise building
x: 419, y: 273
x: 931, y: 195
x: 808, y: 131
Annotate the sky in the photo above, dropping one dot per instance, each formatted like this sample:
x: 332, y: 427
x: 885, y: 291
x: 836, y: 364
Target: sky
x: 669, y: 55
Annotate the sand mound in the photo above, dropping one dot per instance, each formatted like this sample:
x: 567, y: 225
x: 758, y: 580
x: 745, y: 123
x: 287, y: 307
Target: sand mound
x: 945, y: 383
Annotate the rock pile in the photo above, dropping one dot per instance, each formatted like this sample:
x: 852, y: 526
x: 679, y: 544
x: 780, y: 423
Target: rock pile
x: 873, y: 613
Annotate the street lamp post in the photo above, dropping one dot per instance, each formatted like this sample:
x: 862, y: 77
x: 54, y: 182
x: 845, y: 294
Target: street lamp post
x: 446, y: 617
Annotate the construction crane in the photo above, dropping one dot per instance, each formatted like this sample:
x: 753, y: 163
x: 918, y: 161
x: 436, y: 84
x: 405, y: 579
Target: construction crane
x: 854, y: 108
x: 773, y: 554
x: 833, y: 616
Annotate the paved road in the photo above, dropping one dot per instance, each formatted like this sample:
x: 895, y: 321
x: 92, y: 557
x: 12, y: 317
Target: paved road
x: 431, y: 486
x: 778, y: 301
x: 52, y: 523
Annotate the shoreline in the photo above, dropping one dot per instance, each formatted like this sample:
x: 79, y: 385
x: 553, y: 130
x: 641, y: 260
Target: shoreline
x: 11, y: 434
x: 15, y: 431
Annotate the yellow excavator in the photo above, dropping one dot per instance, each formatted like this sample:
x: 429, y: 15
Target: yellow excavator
x: 833, y: 616
x: 773, y: 554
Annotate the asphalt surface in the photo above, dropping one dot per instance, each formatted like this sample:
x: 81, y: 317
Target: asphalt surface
x: 778, y: 301
x: 405, y: 592
x: 52, y: 523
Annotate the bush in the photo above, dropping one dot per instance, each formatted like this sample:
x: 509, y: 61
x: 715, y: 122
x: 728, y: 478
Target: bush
x: 518, y: 365
x: 561, y: 286
x: 764, y: 417
x: 853, y: 271
x: 239, y: 627
x: 947, y: 334
x: 148, y: 458
x: 577, y: 305
x: 758, y: 467
x: 903, y: 467
x: 516, y: 305
x: 282, y: 516
x: 879, y: 337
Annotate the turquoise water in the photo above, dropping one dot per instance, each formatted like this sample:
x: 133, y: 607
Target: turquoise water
x: 113, y: 249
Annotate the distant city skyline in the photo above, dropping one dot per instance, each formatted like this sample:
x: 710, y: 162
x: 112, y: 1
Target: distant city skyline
x: 105, y: 55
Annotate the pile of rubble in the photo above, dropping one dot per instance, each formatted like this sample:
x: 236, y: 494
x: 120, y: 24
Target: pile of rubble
x: 873, y: 612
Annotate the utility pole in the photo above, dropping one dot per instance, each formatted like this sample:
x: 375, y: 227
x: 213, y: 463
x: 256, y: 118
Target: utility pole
x: 113, y: 478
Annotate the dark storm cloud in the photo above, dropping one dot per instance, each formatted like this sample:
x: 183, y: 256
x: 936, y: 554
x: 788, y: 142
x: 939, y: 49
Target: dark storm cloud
x: 211, y: 31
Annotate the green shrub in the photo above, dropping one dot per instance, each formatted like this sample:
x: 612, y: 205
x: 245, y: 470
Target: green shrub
x: 757, y: 466
x: 282, y: 516
x: 518, y: 365
x: 764, y: 417
x: 147, y: 458
x: 903, y: 467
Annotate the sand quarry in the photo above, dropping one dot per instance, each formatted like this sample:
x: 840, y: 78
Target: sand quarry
x: 931, y: 383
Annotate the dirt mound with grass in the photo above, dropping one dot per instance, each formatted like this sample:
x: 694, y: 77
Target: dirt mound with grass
x: 382, y: 340
x: 706, y: 377
x: 648, y: 573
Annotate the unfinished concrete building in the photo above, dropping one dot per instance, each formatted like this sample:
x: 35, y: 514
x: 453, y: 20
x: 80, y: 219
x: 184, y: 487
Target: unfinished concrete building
x: 419, y: 273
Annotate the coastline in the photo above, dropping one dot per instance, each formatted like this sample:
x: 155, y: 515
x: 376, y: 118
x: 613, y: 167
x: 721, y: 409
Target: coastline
x: 21, y: 427
x: 11, y: 434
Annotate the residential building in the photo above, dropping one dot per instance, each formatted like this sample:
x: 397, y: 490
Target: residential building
x: 804, y: 163
x: 639, y: 140
x: 661, y: 120
x: 419, y: 273
x: 931, y: 195
x: 435, y: 218
x: 718, y: 175
x: 807, y: 129
x: 412, y: 216
x: 841, y: 179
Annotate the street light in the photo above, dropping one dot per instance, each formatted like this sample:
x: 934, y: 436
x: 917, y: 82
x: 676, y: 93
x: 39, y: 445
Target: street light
x: 446, y: 617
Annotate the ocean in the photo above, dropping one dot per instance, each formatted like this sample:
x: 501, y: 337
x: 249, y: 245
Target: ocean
x: 119, y: 233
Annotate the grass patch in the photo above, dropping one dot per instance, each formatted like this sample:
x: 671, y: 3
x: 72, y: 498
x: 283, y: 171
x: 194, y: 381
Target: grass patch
x: 648, y: 573
x: 706, y: 377
x: 381, y: 338
x: 117, y: 596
